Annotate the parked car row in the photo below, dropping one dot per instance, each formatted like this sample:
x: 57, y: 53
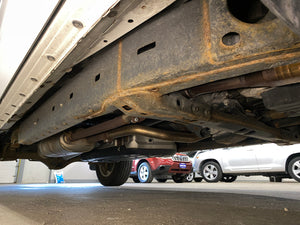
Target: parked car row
x: 269, y: 160
x: 225, y: 165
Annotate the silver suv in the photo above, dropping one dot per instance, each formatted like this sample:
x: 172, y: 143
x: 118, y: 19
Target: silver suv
x: 268, y: 160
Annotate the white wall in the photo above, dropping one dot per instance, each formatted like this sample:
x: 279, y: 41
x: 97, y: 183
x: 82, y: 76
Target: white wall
x: 8, y: 171
x: 77, y: 172
x: 37, y: 172
x: 34, y: 172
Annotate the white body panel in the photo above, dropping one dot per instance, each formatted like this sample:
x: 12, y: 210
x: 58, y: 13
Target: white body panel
x: 19, y: 27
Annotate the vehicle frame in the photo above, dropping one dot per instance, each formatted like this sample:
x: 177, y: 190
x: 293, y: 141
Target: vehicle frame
x: 152, y: 78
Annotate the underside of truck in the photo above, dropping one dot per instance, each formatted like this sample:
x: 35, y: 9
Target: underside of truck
x: 152, y: 78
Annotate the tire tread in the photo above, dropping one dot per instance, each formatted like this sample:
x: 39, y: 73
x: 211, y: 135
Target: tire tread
x: 119, y: 175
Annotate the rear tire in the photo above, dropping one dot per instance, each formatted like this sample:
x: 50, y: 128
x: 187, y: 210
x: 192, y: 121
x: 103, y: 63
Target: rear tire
x: 178, y: 178
x: 199, y: 179
x: 189, y: 177
x: 161, y: 180
x: 228, y: 178
x: 136, y: 180
x: 275, y: 179
x: 113, y: 174
x: 294, y: 168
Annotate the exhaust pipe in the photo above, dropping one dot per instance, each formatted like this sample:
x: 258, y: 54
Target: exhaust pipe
x: 279, y: 76
x: 62, y: 146
x: 147, y: 132
x: 59, y: 146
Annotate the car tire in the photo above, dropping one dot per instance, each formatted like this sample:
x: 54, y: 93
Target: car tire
x: 294, y: 168
x: 275, y: 179
x: 228, y: 178
x: 178, y: 178
x: 198, y: 179
x: 211, y: 172
x: 136, y: 180
x: 161, y: 180
x: 145, y: 173
x: 189, y: 177
x: 113, y: 174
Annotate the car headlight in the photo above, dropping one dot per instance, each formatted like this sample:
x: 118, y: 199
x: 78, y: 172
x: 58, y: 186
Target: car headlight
x: 181, y: 158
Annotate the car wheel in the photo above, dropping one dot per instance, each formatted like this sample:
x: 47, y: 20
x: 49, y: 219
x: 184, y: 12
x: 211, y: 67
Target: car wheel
x: 178, y: 178
x: 294, y: 168
x: 275, y: 179
x: 199, y: 179
x: 161, y: 180
x: 145, y: 173
x: 113, y: 174
x: 136, y: 180
x: 228, y: 178
x: 189, y: 177
x: 211, y: 172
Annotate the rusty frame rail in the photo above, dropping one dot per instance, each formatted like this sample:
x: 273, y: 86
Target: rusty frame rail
x: 183, y: 52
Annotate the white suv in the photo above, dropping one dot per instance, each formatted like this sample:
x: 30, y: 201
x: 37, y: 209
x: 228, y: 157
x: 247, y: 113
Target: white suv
x: 268, y: 160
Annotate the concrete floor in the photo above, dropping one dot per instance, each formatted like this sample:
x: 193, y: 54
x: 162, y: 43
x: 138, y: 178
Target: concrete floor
x: 170, y: 203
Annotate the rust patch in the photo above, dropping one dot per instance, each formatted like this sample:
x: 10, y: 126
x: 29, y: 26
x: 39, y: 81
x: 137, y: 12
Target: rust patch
x: 207, y: 32
x: 145, y: 90
x: 119, y: 66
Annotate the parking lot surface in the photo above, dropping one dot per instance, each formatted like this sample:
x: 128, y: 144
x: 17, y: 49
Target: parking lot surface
x: 289, y: 189
x: 169, y: 203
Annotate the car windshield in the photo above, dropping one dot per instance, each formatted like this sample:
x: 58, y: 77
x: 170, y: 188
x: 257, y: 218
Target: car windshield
x: 191, y: 154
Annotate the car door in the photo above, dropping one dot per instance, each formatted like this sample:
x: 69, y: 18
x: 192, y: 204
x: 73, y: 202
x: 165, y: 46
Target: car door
x: 239, y: 160
x: 271, y: 158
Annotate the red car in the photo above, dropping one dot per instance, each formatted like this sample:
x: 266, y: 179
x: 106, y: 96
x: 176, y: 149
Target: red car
x: 177, y: 168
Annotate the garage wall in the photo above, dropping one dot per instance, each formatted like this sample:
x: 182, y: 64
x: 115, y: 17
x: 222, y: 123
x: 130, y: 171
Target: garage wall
x: 8, y: 171
x: 37, y: 172
x: 77, y: 172
x: 33, y: 172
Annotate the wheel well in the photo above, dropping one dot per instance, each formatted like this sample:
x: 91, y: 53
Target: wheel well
x: 290, y: 158
x: 140, y: 162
